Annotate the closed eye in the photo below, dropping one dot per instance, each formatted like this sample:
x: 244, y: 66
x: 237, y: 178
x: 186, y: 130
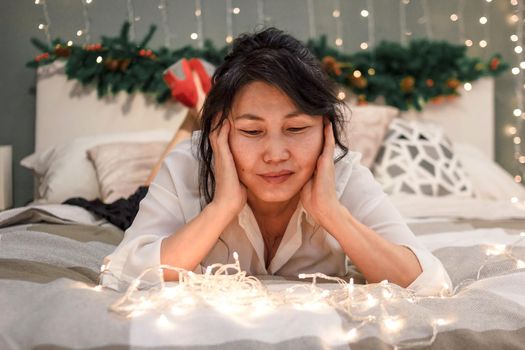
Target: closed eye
x: 251, y: 132
x: 297, y: 129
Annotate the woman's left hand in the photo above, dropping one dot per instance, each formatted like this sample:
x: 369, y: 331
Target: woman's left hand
x: 318, y: 195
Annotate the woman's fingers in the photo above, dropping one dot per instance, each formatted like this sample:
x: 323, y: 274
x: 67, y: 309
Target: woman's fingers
x: 329, y: 140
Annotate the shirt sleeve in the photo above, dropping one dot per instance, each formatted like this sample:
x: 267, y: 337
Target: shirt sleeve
x: 367, y: 202
x: 160, y: 214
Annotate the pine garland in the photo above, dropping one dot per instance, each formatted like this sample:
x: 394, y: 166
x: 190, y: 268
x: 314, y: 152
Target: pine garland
x: 406, y: 77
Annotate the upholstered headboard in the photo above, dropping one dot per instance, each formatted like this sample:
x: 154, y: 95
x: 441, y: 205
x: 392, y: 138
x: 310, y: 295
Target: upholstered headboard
x: 66, y: 110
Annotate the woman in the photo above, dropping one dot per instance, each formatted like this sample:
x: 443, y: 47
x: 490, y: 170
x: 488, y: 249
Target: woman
x: 268, y: 177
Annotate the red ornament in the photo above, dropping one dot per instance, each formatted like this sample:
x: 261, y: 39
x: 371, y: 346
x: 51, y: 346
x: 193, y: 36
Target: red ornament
x: 145, y: 53
x: 430, y: 82
x: 93, y: 47
x: 494, y: 63
x: 42, y: 56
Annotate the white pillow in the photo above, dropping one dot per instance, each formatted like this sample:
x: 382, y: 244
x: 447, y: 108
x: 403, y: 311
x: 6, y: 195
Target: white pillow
x: 64, y: 171
x: 490, y: 181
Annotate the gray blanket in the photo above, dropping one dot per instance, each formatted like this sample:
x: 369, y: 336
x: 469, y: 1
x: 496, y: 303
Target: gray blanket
x: 50, y: 259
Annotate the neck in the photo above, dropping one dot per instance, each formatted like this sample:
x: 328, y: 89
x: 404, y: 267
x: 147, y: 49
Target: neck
x: 273, y: 217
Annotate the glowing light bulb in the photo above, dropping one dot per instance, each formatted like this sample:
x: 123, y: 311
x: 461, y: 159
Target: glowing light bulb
x: 41, y: 26
x: 392, y: 324
x: 198, y: 12
x: 363, y: 46
x: 357, y: 74
x: 163, y: 321
x: 441, y: 322
x: 339, y: 42
x: 517, y: 140
x: 79, y: 33
x: 467, y: 86
x: 483, y: 43
x: 194, y: 36
x: 341, y: 95
x: 351, y: 335
x: 336, y: 13
x: 518, y: 49
x: 497, y: 249
x: 229, y: 39
x: 69, y: 43
x: 468, y: 42
x: 514, y: 37
x: 516, y: 112
x: 483, y: 20
x: 371, y: 301
x: 236, y: 11
x: 99, y: 59
x: 515, y: 70
x: 364, y: 13
x: 454, y: 17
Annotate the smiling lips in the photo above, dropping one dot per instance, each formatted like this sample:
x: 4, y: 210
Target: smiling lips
x: 276, y: 177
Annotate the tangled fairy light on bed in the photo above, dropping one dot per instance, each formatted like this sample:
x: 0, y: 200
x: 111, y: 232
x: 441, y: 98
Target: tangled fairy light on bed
x: 385, y: 307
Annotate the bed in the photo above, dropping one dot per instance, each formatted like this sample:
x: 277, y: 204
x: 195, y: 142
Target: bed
x: 51, y: 254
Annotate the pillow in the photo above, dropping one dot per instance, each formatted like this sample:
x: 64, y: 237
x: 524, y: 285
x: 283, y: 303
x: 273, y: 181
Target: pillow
x: 417, y: 158
x: 365, y: 129
x: 64, y: 171
x: 490, y: 181
x: 122, y: 167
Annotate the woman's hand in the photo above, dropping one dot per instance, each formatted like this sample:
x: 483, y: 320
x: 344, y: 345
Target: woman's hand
x: 230, y: 194
x: 318, y: 195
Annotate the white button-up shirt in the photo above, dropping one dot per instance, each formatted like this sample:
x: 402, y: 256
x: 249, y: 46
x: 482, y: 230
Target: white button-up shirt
x: 173, y: 199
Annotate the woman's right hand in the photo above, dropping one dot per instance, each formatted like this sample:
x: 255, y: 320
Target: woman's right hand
x: 230, y: 193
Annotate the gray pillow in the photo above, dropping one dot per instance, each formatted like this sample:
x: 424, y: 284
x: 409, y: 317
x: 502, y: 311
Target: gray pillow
x: 417, y: 158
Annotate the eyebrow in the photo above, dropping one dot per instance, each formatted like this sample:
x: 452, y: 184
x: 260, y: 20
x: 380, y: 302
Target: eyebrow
x: 256, y: 117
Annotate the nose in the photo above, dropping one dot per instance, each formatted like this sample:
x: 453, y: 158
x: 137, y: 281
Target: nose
x: 276, y: 150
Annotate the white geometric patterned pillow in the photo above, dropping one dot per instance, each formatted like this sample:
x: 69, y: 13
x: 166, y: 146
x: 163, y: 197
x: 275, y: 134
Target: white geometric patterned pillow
x: 417, y: 158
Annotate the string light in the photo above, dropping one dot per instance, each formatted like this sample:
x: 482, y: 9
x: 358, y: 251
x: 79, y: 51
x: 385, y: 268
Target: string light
x: 371, y: 24
x: 403, y: 22
x: 200, y: 25
x: 163, y: 8
x: 87, y: 21
x: 426, y: 19
x: 131, y: 19
x: 484, y: 20
x: 517, y: 129
x: 338, y: 24
x: 47, y: 25
x: 227, y: 289
x: 229, y: 21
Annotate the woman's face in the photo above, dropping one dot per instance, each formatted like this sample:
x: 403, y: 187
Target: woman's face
x: 275, y: 146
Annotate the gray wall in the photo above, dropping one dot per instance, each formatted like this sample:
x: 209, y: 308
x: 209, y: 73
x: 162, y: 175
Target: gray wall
x: 19, y: 20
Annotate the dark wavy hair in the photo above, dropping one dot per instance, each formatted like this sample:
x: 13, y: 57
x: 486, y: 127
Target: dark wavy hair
x: 277, y: 58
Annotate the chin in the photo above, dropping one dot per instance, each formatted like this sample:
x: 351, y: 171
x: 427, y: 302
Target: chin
x: 276, y: 193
